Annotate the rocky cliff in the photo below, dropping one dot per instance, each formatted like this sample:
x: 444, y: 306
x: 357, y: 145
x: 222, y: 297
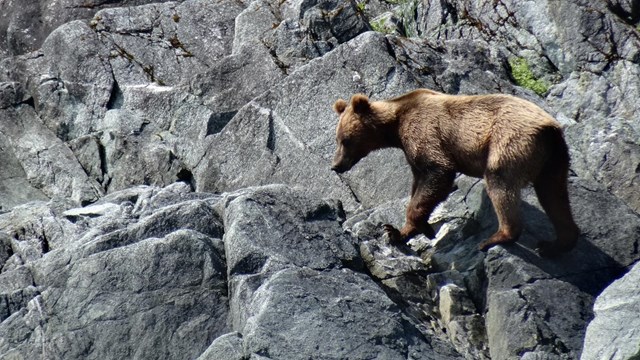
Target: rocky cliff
x: 165, y: 188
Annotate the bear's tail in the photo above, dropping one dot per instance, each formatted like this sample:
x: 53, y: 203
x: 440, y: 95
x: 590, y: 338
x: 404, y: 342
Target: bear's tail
x: 551, y: 186
x: 558, y: 158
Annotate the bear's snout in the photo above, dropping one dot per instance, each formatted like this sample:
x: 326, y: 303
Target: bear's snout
x: 338, y: 168
x: 341, y: 164
x: 345, y: 159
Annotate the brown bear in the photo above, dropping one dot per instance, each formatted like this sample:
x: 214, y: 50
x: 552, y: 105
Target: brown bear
x: 508, y: 141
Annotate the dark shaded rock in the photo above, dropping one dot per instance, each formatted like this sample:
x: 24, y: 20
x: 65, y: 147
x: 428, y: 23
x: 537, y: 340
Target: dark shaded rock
x: 11, y: 93
x: 322, y: 306
x: 627, y: 10
x: 309, y: 227
x: 547, y: 303
x: 172, y: 285
x: 330, y: 19
x: 531, y: 299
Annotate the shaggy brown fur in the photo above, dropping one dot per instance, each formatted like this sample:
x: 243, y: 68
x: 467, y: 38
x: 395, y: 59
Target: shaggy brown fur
x: 506, y: 140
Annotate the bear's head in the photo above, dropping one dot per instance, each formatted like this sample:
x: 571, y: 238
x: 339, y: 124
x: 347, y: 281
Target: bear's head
x: 358, y: 132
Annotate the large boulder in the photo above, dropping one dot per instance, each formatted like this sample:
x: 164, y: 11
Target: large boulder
x: 298, y: 287
x: 141, y: 274
x: 613, y: 333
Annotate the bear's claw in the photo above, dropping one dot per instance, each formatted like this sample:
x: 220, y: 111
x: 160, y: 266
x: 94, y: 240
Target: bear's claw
x: 486, y: 245
x: 499, y: 238
x: 429, y: 232
x: 553, y: 249
x: 393, y: 234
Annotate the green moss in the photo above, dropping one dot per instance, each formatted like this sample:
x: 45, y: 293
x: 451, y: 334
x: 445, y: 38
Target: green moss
x: 361, y: 6
x: 380, y: 25
x: 524, y: 77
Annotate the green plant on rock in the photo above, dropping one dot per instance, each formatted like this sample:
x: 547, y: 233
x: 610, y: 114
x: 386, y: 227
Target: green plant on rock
x: 524, y: 77
x: 380, y: 25
x: 361, y: 6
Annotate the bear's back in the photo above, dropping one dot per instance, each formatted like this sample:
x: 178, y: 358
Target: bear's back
x: 462, y: 128
x: 474, y: 119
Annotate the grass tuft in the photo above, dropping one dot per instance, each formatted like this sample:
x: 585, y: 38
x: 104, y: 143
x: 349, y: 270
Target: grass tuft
x: 524, y: 77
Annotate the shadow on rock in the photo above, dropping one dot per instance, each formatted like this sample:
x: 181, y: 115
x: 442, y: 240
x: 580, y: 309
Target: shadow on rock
x: 586, y: 267
x: 605, y: 248
x: 510, y: 300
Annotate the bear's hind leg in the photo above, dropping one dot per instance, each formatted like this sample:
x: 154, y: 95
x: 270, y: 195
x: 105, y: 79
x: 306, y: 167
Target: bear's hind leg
x: 505, y: 197
x: 551, y: 189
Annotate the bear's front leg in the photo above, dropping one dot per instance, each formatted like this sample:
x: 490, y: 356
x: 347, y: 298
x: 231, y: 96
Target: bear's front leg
x: 428, y: 190
x: 399, y: 237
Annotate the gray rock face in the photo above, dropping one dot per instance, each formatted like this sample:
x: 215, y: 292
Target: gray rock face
x: 166, y: 43
x: 531, y: 306
x: 298, y: 281
x: 14, y: 185
x: 134, y: 146
x: 93, y: 282
x: 24, y: 25
x: 281, y: 136
x: 46, y: 162
x: 613, y: 332
x: 145, y: 265
x: 134, y: 134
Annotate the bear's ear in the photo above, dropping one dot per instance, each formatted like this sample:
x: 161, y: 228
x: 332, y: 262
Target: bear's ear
x: 339, y: 106
x: 360, y: 103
